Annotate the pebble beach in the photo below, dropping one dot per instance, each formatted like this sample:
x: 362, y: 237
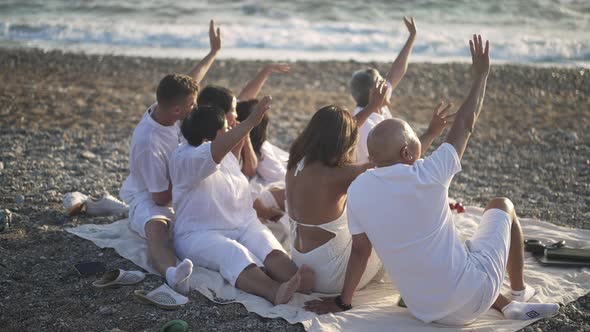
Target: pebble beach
x: 66, y: 120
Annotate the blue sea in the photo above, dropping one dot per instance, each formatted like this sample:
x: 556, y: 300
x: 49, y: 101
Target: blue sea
x: 537, y: 32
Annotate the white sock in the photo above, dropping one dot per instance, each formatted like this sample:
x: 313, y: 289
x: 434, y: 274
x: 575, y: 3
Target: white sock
x: 178, y: 276
x: 523, y: 295
x: 526, y: 311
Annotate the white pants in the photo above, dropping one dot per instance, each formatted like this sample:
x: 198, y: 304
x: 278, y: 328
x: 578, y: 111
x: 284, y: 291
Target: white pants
x: 144, y: 209
x: 228, y: 251
x: 488, y: 248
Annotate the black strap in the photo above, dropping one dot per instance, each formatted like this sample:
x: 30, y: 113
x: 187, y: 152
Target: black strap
x: 342, y: 305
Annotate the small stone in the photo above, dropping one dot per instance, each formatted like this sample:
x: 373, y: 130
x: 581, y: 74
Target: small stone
x: 5, y: 219
x: 105, y: 311
x: 1, y: 165
x: 20, y: 199
x: 88, y: 155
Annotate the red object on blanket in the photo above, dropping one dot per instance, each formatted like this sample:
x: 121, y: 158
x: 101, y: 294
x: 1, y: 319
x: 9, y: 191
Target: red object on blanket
x: 457, y: 206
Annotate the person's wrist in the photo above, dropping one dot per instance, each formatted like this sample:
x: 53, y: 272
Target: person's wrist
x: 340, y: 303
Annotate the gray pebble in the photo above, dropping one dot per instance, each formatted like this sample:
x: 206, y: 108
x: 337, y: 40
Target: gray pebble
x: 20, y: 199
x: 106, y: 311
x: 88, y: 155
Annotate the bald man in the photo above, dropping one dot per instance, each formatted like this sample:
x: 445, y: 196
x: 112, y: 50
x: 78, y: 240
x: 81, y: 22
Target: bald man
x: 402, y: 209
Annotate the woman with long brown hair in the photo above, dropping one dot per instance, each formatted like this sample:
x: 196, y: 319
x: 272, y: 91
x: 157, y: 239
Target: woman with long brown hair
x: 320, y: 169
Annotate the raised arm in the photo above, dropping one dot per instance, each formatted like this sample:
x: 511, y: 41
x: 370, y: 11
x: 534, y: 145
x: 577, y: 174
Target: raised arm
x: 400, y: 65
x: 225, y: 143
x: 249, y: 158
x: 441, y: 119
x: 469, y: 111
x: 377, y: 99
x: 252, y: 88
x: 198, y: 72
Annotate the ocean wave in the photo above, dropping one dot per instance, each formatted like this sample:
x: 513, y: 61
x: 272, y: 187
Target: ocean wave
x: 296, y: 36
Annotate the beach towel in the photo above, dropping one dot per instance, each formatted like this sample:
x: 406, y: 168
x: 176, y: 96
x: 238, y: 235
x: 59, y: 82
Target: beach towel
x: 375, y: 307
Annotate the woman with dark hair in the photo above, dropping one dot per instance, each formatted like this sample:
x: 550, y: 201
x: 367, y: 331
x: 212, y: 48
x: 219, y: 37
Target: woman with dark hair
x: 320, y: 169
x: 216, y: 225
x: 267, y: 186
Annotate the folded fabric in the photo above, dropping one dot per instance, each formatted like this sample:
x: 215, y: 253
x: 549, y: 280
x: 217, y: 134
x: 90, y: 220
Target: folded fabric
x: 375, y: 307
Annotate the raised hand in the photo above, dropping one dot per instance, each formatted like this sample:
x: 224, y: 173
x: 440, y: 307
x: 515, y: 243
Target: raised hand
x: 214, y: 37
x: 259, y: 110
x: 441, y: 119
x: 480, y: 56
x: 411, y: 25
x: 379, y: 95
x: 280, y: 68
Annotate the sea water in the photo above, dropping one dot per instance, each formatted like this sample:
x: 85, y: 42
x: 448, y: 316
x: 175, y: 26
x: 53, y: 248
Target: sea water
x: 538, y: 32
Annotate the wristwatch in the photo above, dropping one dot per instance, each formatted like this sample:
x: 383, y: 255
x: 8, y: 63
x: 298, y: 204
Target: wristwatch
x: 342, y: 305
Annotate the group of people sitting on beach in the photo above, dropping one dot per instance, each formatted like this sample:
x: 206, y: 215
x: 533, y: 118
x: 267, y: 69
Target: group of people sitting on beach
x: 361, y: 197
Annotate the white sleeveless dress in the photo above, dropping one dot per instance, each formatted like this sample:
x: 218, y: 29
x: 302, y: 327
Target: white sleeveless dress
x: 329, y: 261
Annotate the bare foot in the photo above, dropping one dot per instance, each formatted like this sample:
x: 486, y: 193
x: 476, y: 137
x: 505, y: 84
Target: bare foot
x: 307, y: 279
x: 287, y: 289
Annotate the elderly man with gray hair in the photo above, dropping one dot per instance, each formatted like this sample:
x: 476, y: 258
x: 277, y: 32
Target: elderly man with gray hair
x: 364, y: 80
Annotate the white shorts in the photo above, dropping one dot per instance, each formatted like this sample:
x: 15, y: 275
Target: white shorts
x: 141, y: 211
x: 488, y: 249
x: 228, y: 251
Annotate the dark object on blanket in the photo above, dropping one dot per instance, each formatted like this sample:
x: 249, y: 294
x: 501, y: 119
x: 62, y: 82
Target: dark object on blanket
x: 457, y: 206
x: 401, y: 303
x: 538, y: 247
x: 557, y: 254
x: 90, y: 268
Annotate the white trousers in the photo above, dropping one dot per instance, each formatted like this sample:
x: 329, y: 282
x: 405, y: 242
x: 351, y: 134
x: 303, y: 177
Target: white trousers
x: 488, y: 248
x: 228, y: 251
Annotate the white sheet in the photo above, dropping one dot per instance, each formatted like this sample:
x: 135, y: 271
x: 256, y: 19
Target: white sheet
x: 375, y: 306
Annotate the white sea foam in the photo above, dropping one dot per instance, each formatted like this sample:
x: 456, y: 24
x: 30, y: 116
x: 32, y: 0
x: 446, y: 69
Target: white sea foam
x: 293, y: 38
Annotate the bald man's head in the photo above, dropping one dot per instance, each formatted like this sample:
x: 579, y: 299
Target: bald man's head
x: 393, y: 141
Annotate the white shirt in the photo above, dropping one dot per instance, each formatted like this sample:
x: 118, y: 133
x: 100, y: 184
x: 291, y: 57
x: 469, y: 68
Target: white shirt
x: 151, y: 146
x: 206, y: 195
x: 272, y: 167
x: 404, y: 211
x: 362, y: 153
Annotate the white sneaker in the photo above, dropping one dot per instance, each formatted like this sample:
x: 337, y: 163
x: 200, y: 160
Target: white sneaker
x: 74, y: 202
x: 105, y: 206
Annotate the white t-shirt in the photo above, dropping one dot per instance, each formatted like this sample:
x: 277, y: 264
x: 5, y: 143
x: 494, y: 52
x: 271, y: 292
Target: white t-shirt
x: 272, y: 167
x: 206, y: 195
x: 404, y: 211
x: 151, y: 146
x: 362, y: 153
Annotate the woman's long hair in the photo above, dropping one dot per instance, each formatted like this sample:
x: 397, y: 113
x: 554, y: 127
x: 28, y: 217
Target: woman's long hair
x: 330, y: 137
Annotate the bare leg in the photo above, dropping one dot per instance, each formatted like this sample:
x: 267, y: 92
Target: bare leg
x: 281, y: 268
x: 160, y: 252
x: 253, y: 280
x: 515, y: 264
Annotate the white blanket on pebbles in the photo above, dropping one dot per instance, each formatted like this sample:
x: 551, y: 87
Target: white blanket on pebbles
x: 375, y: 306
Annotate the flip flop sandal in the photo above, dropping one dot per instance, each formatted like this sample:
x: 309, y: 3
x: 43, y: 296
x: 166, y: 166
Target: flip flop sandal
x: 117, y: 278
x: 175, y: 325
x: 162, y: 297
